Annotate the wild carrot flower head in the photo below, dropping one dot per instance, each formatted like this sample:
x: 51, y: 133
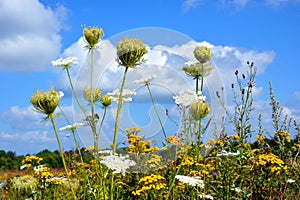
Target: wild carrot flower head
x: 186, y: 98
x: 71, y: 127
x: 45, y: 102
x: 106, y: 100
x: 202, y: 54
x: 92, y: 95
x: 192, y: 181
x: 65, y: 63
x: 118, y: 163
x: 146, y: 79
x: 199, y: 110
x: 196, y: 69
x: 24, y: 183
x: 126, y: 95
x: 92, y: 36
x: 130, y: 52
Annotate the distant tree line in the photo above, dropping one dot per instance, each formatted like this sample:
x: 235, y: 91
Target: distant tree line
x: 10, y: 160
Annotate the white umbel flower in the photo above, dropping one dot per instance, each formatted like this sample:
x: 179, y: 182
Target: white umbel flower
x: 126, y: 95
x: 206, y: 196
x: 290, y: 181
x: 146, y: 80
x: 192, y: 181
x: 71, y: 127
x: 188, y: 97
x: 118, y: 163
x: 225, y: 153
x: 64, y: 62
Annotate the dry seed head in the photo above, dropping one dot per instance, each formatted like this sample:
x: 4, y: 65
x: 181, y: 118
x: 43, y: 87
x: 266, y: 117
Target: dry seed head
x: 45, y: 102
x: 202, y: 54
x: 91, y: 95
x: 199, y: 110
x: 130, y: 52
x: 92, y: 35
x: 106, y: 100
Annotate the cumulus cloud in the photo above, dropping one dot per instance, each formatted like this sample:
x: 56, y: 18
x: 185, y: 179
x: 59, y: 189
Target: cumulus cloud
x: 30, y: 36
x: 189, y: 4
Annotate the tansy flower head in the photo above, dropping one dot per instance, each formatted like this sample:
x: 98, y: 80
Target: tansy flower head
x: 130, y: 52
x: 45, y: 102
x: 202, y: 54
x: 92, y: 36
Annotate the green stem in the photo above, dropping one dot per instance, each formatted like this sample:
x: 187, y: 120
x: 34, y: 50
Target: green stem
x: 152, y: 99
x: 73, y: 132
x: 197, y: 84
x: 202, y: 77
x: 102, y: 120
x: 119, y: 110
x: 74, y: 93
x: 62, y: 154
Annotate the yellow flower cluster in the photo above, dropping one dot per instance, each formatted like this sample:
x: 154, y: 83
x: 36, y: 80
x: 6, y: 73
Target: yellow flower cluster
x: 173, y: 140
x: 283, y: 134
x: 235, y: 137
x: 260, y: 138
x: 296, y: 146
x: 271, y: 161
x: 187, y: 161
x: 155, y: 182
x: 44, y: 175
x: 32, y: 161
x: 137, y: 144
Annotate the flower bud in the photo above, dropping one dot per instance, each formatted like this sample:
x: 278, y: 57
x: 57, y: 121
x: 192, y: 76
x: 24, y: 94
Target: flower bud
x: 199, y: 110
x: 202, y: 54
x: 106, y: 100
x: 130, y: 52
x: 45, y: 102
x: 92, y: 35
x: 236, y: 72
x: 91, y: 95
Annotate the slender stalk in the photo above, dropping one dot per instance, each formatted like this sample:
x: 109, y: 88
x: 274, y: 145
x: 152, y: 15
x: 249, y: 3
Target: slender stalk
x: 74, y: 93
x: 202, y: 77
x: 73, y: 133
x: 152, y: 100
x: 62, y: 154
x: 102, y: 120
x: 197, y: 84
x: 119, y: 110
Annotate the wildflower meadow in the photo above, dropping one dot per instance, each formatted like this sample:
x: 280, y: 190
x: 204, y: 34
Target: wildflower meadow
x: 240, y: 160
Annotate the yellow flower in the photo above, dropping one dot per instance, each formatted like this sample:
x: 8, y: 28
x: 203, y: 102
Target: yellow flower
x: 173, y: 140
x: 106, y: 100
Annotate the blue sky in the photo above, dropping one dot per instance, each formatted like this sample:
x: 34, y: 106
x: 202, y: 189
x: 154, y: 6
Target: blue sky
x: 36, y: 32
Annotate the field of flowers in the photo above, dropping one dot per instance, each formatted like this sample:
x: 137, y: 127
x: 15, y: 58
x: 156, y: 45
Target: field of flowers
x: 228, y: 166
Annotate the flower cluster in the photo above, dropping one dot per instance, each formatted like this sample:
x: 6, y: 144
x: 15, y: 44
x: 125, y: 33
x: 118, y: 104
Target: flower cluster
x: 173, y: 140
x: 45, y: 102
x: 283, y: 134
x: 126, y: 95
x: 186, y: 98
x: 192, y: 181
x: 31, y: 161
x: 118, y: 163
x: 92, y: 36
x: 270, y: 161
x: 65, y: 63
x: 146, y: 79
x: 92, y: 95
x: 151, y: 182
x: 71, y: 127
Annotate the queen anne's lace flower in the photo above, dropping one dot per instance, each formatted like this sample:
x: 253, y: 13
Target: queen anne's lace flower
x: 146, y: 79
x: 192, y: 181
x: 64, y: 62
x: 206, y: 196
x: 118, y: 163
x: 225, y: 153
x: 126, y: 95
x: 188, y: 97
x: 71, y: 127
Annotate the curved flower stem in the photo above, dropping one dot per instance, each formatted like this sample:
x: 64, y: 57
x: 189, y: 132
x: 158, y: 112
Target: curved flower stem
x: 119, y: 110
x: 62, y: 154
x: 74, y: 93
x: 152, y: 99
x: 197, y: 84
x: 102, y: 120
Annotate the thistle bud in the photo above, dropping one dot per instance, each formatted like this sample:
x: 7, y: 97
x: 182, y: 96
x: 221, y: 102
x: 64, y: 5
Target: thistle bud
x: 243, y: 75
x: 91, y: 95
x: 236, y: 72
x: 202, y: 54
x: 130, y: 52
x: 199, y: 110
x: 45, y: 102
x: 106, y: 100
x: 232, y: 85
x: 92, y: 35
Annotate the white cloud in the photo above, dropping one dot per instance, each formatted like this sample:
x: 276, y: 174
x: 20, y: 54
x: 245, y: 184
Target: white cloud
x: 188, y: 4
x: 235, y: 3
x: 275, y: 3
x: 30, y: 36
